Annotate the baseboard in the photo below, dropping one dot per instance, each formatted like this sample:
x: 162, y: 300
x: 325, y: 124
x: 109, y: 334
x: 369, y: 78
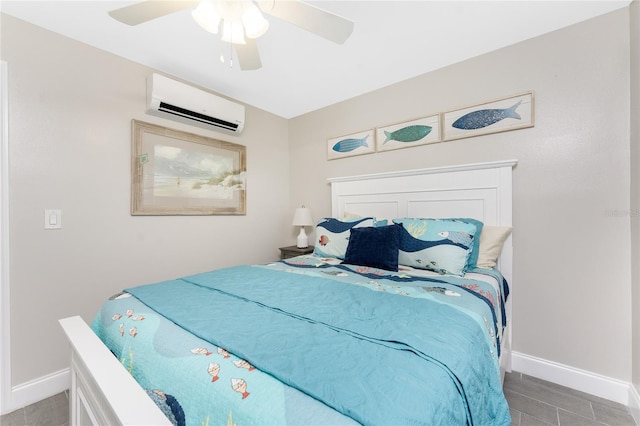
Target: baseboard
x: 575, y: 378
x: 38, y: 389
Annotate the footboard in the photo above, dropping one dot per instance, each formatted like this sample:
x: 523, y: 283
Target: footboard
x: 102, y: 392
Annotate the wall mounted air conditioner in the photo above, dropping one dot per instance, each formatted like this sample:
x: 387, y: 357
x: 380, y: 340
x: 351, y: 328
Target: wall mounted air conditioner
x: 177, y: 101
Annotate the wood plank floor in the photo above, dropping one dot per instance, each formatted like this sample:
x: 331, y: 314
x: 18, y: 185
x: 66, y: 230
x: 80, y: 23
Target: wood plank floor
x: 533, y: 402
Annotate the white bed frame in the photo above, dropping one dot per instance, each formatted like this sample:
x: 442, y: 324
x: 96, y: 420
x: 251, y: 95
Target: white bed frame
x: 102, y: 392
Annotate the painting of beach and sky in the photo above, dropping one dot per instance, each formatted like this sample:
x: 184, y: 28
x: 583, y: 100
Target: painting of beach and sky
x: 180, y: 173
x: 193, y: 174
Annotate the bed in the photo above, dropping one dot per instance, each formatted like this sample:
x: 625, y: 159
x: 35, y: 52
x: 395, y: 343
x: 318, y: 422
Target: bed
x: 328, y: 338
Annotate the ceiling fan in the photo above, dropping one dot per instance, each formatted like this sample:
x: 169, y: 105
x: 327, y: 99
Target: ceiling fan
x: 240, y: 18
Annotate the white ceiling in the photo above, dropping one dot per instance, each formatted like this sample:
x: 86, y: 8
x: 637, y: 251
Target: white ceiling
x: 392, y: 41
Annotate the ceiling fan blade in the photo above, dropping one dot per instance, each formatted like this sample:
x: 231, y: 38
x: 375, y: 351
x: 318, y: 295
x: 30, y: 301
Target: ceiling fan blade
x: 147, y: 10
x: 318, y: 21
x: 248, y: 55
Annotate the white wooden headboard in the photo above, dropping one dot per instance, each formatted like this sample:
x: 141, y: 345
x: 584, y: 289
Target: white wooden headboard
x: 481, y: 191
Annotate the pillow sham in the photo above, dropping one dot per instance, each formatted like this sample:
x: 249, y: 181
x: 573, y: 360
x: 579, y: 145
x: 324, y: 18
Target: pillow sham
x: 473, y: 257
x: 492, y: 239
x: 441, y: 245
x: 332, y: 235
x: 376, y: 247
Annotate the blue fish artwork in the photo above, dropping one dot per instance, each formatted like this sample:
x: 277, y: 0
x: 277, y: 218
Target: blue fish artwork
x: 408, y: 134
x: 348, y: 145
x: 485, y: 117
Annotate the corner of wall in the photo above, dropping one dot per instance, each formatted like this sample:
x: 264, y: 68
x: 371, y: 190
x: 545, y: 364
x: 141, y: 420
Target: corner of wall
x: 634, y: 142
x: 634, y: 403
x: 39, y: 389
x: 5, y: 352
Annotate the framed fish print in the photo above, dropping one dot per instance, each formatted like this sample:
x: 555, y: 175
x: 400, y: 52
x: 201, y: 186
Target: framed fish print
x: 516, y: 112
x: 349, y: 145
x: 410, y: 133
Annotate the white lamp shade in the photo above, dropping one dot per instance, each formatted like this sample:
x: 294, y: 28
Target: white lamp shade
x: 254, y: 23
x: 207, y: 16
x: 239, y: 18
x: 302, y: 217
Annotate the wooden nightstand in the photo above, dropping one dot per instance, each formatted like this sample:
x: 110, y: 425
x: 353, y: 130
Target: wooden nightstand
x: 293, y: 251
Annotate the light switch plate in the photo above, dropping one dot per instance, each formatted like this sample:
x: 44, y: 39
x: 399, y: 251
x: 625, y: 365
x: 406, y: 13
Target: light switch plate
x: 52, y: 219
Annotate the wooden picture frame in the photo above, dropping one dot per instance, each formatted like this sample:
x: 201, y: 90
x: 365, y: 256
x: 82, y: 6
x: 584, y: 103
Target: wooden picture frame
x: 179, y: 173
x: 421, y: 131
x: 511, y: 113
x: 350, y: 145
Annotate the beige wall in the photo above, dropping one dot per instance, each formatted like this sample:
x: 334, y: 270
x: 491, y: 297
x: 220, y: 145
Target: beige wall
x: 70, y: 110
x: 571, y: 289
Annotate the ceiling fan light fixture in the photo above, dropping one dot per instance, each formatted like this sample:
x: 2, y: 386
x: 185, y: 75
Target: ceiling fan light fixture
x: 254, y: 23
x: 233, y: 32
x: 207, y: 16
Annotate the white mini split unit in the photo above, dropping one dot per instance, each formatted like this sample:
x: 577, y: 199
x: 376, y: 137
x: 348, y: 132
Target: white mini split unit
x: 177, y: 101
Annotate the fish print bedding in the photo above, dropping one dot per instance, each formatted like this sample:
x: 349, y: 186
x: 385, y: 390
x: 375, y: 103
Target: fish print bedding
x: 310, y: 341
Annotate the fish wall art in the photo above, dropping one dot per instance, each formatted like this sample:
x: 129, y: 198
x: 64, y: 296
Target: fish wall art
x: 511, y: 113
x: 353, y: 144
x: 410, y: 133
x: 515, y: 112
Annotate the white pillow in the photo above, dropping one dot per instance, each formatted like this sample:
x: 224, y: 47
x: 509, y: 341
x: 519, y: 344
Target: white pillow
x: 492, y: 239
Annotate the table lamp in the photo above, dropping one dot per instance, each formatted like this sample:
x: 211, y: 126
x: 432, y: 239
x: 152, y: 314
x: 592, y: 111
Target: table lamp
x: 302, y: 218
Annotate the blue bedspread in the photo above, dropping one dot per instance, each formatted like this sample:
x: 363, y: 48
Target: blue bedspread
x: 377, y: 347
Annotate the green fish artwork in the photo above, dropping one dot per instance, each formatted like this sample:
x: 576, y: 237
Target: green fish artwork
x: 408, y: 134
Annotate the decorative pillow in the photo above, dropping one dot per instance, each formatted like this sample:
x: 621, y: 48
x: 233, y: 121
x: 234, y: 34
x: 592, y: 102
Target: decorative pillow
x: 441, y: 245
x: 374, y: 246
x: 332, y: 235
x: 491, y: 241
x: 473, y: 257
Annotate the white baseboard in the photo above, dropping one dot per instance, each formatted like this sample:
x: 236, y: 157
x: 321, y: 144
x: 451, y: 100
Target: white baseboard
x: 575, y: 378
x: 38, y: 389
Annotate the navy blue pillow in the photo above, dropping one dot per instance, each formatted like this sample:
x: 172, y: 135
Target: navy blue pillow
x: 376, y: 247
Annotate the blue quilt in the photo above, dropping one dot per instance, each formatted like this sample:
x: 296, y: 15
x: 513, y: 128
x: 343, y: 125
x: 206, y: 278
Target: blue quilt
x: 307, y: 342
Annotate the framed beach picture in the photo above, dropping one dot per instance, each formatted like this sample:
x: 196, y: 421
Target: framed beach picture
x: 353, y: 144
x: 410, y: 133
x: 515, y: 112
x: 179, y: 173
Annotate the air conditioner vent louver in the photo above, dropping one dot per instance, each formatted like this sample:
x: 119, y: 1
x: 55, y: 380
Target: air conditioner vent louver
x: 182, y: 112
x: 177, y: 101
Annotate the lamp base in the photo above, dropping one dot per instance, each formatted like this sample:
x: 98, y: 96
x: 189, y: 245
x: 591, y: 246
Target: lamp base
x: 303, y: 240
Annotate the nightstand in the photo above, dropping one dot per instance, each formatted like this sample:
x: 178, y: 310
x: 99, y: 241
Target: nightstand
x: 293, y: 251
